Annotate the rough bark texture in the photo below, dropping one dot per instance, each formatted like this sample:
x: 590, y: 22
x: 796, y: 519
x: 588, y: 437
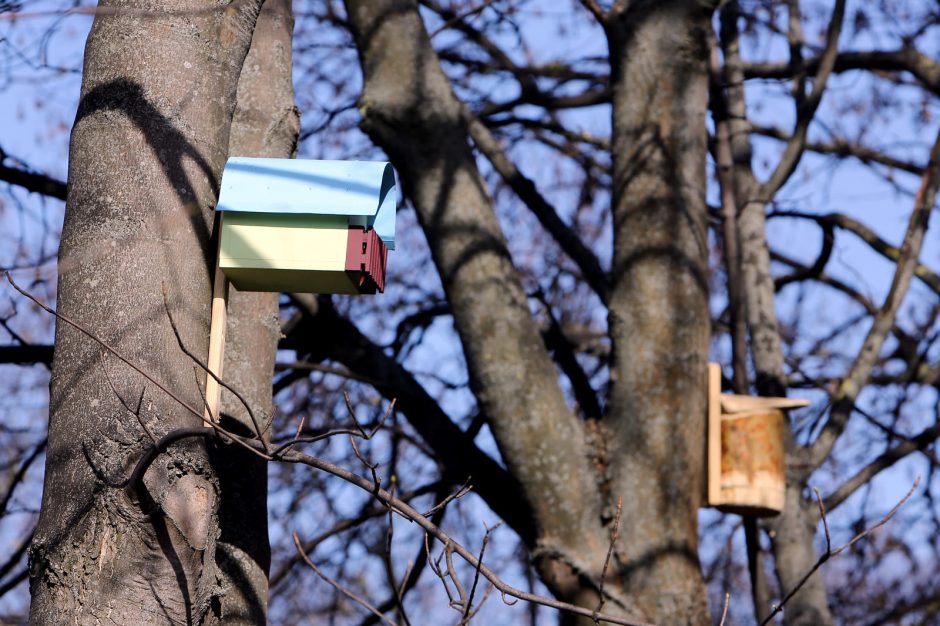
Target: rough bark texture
x: 408, y: 108
x: 658, y: 314
x: 148, y: 145
x: 266, y: 123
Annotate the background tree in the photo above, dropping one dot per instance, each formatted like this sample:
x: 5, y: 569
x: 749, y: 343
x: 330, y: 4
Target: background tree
x: 565, y: 191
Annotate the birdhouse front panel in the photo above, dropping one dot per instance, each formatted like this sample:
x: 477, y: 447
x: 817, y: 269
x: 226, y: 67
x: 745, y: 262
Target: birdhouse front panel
x: 306, y: 226
x: 292, y: 253
x: 752, y: 463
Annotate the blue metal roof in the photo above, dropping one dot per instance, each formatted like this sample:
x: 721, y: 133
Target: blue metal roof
x: 362, y: 190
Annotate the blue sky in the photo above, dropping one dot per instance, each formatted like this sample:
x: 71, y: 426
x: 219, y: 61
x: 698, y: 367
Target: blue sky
x: 39, y: 92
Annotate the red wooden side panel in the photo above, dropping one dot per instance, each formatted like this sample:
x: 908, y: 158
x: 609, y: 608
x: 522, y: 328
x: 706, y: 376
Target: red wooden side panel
x: 366, y: 259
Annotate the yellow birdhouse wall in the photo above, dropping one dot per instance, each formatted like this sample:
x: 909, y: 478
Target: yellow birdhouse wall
x: 284, y: 252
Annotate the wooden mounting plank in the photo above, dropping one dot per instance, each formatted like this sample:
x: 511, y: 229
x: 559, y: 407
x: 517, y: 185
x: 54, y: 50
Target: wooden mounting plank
x: 714, y: 434
x: 216, y: 341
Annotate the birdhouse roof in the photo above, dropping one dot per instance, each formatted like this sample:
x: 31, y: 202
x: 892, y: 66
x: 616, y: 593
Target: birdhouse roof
x: 362, y: 190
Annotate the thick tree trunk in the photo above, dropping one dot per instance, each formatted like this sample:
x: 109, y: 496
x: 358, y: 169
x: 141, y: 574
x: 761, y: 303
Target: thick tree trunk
x: 659, y: 317
x: 148, y: 146
x: 658, y: 314
x: 265, y: 124
x: 409, y: 109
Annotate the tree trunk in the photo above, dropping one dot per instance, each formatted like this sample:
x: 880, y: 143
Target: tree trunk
x: 793, y: 532
x: 794, y: 529
x: 265, y: 124
x: 409, y: 109
x: 147, y: 149
x: 658, y: 314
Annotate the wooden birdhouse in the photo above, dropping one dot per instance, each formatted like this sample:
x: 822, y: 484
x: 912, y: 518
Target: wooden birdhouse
x: 746, y: 461
x: 307, y: 226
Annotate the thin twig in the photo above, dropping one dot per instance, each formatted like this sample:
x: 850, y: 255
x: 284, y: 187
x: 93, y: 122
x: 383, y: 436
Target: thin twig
x: 595, y: 10
x: 103, y: 344
x: 343, y: 590
x: 460, y: 17
x: 408, y: 512
x: 20, y: 474
x: 829, y: 553
x: 467, y: 612
x: 724, y: 611
x: 225, y: 435
x: 464, y: 490
x: 140, y: 401
x: 614, y: 535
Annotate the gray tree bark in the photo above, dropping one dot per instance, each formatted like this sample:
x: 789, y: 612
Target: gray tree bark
x: 409, y: 109
x: 571, y: 484
x: 266, y: 123
x: 658, y: 313
x: 147, y: 149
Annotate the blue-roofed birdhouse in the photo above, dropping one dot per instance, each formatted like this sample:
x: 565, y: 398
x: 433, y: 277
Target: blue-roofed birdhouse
x: 306, y: 226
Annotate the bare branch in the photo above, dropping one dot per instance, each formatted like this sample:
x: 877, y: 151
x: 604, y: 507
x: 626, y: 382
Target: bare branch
x: 468, y: 609
x: 724, y: 610
x: 20, y: 474
x: 26, y: 354
x: 908, y: 59
x: 344, y: 590
x: 886, y: 459
x: 829, y: 553
x: 461, y: 456
x: 907, y: 262
x: 458, y: 18
x: 409, y: 513
x: 80, y: 328
x: 595, y: 10
x: 843, y: 148
x: 569, y: 241
x: 930, y: 278
x: 198, y: 361
x: 29, y: 180
x: 806, y: 109
x: 614, y: 535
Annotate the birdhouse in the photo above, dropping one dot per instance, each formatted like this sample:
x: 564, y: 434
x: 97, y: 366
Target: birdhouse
x: 746, y: 461
x: 306, y: 226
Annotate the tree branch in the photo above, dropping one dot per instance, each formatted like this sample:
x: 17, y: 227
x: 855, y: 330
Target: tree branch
x: 930, y: 278
x: 843, y: 148
x: 26, y: 354
x: 583, y: 257
x: 922, y: 67
x: 806, y: 110
x: 829, y: 553
x: 459, y: 454
x: 31, y: 181
x: 886, y: 459
x: 907, y: 263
